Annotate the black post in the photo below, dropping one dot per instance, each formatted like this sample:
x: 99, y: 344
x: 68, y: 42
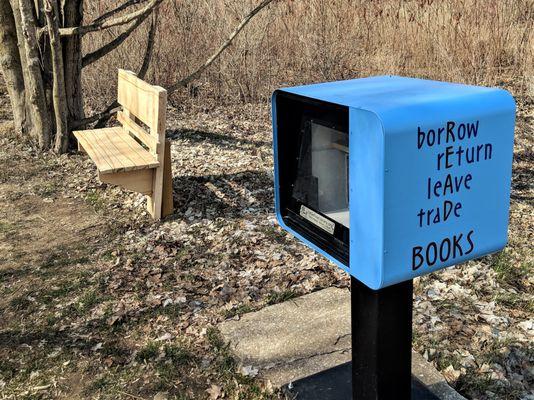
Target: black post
x: 381, y: 341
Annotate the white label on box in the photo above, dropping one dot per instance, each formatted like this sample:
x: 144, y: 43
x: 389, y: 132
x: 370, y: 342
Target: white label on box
x: 317, y: 219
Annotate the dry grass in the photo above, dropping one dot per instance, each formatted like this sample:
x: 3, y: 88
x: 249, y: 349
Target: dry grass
x: 474, y: 41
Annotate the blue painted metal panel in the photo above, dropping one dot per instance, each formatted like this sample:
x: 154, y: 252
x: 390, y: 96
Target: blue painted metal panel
x: 430, y: 173
x: 366, y: 155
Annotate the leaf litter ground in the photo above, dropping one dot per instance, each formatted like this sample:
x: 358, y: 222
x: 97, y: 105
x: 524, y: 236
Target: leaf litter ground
x: 97, y: 301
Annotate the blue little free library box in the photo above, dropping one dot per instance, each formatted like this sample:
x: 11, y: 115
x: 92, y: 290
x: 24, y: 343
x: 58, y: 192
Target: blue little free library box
x: 393, y: 177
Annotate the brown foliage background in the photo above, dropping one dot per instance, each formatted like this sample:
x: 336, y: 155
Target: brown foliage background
x: 300, y: 41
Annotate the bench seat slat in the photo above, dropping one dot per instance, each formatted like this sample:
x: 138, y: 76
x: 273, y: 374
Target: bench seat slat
x: 114, y: 150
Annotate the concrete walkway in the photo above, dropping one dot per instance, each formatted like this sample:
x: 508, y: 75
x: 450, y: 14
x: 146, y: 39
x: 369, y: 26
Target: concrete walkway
x: 301, y: 337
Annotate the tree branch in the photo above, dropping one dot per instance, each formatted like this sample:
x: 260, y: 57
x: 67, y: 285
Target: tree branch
x: 149, y: 46
x: 120, y: 8
x: 113, y: 108
x: 95, y: 117
x: 142, y: 71
x: 103, y: 117
x: 122, y: 20
x: 185, y: 81
x: 90, y: 58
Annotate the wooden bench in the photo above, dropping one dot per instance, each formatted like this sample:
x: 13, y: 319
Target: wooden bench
x: 135, y: 155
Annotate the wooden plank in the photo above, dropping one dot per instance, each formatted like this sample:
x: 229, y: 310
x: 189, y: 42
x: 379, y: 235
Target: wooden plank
x: 129, y: 125
x: 127, y: 156
x: 139, y: 97
x: 101, y: 152
x: 132, y: 78
x: 86, y: 139
x: 80, y: 147
x: 139, y: 181
x: 114, y: 150
x: 154, y: 202
x: 110, y: 154
x: 142, y: 154
x: 129, y: 153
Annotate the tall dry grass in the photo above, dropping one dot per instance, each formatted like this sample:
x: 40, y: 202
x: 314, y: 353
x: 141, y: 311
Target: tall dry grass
x: 299, y: 41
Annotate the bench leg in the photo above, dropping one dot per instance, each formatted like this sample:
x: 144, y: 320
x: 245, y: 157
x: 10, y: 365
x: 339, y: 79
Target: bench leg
x: 153, y: 202
x: 156, y: 200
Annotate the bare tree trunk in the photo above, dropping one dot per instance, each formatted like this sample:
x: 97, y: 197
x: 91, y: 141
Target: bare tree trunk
x: 22, y: 49
x: 11, y: 66
x: 72, y: 11
x: 59, y: 99
x: 45, y: 58
x: 43, y: 66
x: 34, y: 84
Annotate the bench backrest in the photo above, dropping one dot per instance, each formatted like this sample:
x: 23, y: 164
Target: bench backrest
x: 142, y: 102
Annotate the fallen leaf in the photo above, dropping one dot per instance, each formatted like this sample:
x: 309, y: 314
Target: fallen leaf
x: 161, y: 396
x: 166, y: 336
x: 97, y: 347
x: 215, y: 392
x: 451, y: 374
x: 249, y: 370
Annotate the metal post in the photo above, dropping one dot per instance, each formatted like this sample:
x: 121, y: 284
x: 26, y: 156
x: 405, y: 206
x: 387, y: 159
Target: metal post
x: 381, y: 341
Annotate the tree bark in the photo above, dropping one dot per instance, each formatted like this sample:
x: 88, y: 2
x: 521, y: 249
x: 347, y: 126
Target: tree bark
x: 11, y: 66
x: 39, y: 15
x: 59, y: 99
x: 72, y: 12
x: 24, y: 64
x: 41, y: 122
x: 45, y: 59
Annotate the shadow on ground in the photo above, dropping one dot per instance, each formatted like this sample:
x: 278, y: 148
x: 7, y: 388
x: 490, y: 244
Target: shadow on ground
x: 225, y: 141
x: 224, y: 195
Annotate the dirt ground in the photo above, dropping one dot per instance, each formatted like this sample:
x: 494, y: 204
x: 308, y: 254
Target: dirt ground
x: 99, y: 302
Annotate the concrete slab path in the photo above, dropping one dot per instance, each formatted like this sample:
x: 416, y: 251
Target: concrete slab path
x: 303, y: 336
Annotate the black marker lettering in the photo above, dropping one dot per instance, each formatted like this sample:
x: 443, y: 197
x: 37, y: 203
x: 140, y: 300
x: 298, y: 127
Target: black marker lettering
x: 471, y: 244
x: 416, y: 255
